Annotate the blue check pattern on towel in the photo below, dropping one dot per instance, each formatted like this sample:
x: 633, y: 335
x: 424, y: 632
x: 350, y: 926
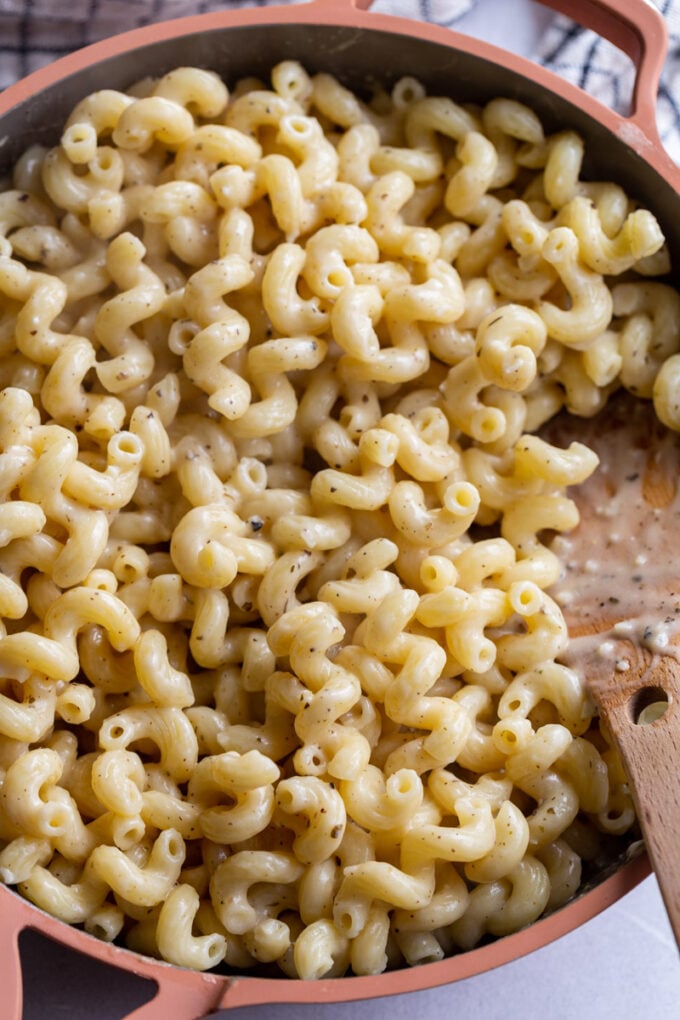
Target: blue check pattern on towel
x: 35, y: 32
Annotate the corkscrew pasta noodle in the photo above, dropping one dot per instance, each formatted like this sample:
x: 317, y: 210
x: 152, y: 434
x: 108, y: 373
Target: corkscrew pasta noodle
x: 280, y: 670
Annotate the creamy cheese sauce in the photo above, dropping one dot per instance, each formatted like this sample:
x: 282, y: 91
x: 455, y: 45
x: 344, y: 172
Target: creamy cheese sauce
x: 621, y: 576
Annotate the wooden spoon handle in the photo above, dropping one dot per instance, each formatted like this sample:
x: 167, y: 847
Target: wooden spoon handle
x: 650, y: 752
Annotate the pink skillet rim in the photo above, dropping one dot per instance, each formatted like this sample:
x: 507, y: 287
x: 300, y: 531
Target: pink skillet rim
x: 639, y: 31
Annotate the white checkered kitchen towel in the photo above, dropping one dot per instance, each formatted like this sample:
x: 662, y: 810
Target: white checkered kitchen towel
x: 35, y: 32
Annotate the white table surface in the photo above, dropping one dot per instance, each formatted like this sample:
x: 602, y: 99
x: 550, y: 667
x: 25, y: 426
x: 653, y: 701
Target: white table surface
x: 623, y: 965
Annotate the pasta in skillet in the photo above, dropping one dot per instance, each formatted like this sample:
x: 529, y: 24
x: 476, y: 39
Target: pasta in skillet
x: 281, y: 676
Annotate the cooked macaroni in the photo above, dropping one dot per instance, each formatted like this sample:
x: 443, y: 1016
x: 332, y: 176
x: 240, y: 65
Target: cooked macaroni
x: 280, y: 671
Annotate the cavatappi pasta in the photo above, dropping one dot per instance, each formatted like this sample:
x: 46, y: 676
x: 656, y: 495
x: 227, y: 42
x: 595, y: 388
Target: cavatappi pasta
x: 280, y: 670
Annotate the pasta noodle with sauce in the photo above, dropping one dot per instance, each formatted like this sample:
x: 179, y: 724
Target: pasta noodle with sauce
x: 281, y: 674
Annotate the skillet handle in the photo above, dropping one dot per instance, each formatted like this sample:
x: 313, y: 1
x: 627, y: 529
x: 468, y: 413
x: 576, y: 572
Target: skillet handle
x: 635, y: 27
x: 181, y: 994
x: 178, y: 997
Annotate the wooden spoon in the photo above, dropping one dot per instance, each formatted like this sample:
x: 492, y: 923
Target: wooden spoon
x: 621, y: 598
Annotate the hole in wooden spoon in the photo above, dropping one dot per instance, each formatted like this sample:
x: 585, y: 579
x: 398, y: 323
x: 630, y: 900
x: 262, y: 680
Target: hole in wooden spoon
x: 648, y: 705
